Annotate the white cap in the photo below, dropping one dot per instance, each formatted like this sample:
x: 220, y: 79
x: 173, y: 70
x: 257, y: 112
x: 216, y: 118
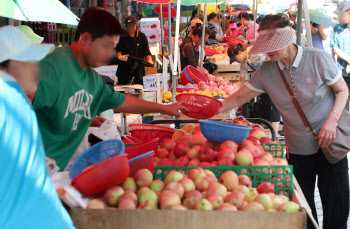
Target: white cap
x: 15, y: 45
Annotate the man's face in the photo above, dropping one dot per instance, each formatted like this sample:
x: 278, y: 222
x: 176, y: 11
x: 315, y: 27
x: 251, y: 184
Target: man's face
x: 100, y: 51
x: 278, y: 55
x: 25, y: 73
x: 292, y: 18
x: 344, y: 17
x: 131, y: 29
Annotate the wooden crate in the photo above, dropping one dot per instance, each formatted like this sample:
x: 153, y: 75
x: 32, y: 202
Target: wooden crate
x: 178, y: 219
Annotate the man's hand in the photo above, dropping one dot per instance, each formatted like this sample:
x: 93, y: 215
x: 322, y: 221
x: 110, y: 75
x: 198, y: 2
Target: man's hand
x: 97, y: 121
x: 321, y: 27
x: 174, y: 109
x: 123, y: 58
x: 218, y: 37
x: 328, y: 132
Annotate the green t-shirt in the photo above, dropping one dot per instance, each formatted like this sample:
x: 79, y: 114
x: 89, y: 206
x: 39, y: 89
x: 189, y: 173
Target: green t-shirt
x: 67, y: 100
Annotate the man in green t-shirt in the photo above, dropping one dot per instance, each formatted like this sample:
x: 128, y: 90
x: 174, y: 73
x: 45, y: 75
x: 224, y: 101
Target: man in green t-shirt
x: 70, y: 93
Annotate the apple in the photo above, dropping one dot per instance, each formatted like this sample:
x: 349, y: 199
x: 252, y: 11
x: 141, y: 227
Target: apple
x: 177, y: 188
x: 284, y: 198
x: 244, y: 157
x: 224, y: 152
x: 181, y: 149
x: 193, y: 174
x: 245, y: 123
x: 215, y: 163
x: 245, y: 180
x: 193, y: 193
x: 227, y: 207
x: 129, y: 184
x: 258, y: 133
x: 206, y: 154
x: 156, y: 161
x: 187, y: 139
x: 201, y: 183
x: 148, y: 195
x: 97, y: 204
x: 257, y: 126
x: 162, y: 153
x: 157, y: 186
x: 112, y: 195
x: 235, y: 198
x: 204, y: 164
x: 177, y: 207
x: 130, y: 195
x: 265, y: 200
x: 245, y: 190
x: 196, y: 130
x: 188, y: 184
x: 277, y: 201
x: 266, y: 187
x: 226, y: 161
x: 289, y: 207
x: 231, y: 145
x: 217, y: 189
x: 230, y: 180
x: 254, y: 206
x: 193, y: 152
x: 148, y: 205
x: 215, y: 201
x: 194, y: 163
x: 259, y: 149
x: 127, y: 204
x: 246, y: 144
x: 189, y: 202
x: 239, y: 118
x: 210, y: 144
x: 203, y: 204
x: 141, y: 191
x: 171, y: 156
x: 143, y: 178
x: 253, y: 139
x: 165, y: 162
x: 168, y: 199
x: 183, y: 161
x: 238, y: 123
x: 168, y: 144
x: 265, y: 140
x: 209, y: 172
x: 173, y: 176
x: 266, y: 157
x: 198, y: 138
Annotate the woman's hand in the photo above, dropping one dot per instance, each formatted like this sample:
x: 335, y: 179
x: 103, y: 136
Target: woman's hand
x: 328, y: 131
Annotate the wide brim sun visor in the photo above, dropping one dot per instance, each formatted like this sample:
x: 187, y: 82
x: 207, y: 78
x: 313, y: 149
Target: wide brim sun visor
x: 271, y: 40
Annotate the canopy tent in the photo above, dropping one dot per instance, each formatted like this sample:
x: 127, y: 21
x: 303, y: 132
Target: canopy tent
x: 186, y: 11
x: 38, y: 10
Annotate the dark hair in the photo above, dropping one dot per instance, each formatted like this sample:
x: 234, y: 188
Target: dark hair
x: 212, y: 15
x: 98, y: 23
x: 194, y: 12
x: 314, y: 24
x: 5, y: 64
x: 244, y: 15
x: 199, y: 29
x: 251, y: 16
x: 273, y: 21
x: 234, y: 49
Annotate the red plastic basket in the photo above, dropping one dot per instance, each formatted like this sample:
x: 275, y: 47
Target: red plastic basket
x: 151, y: 134
x: 182, y: 89
x: 199, y: 106
x: 146, y: 162
x: 234, y: 41
x: 209, y: 52
x: 192, y: 75
x: 139, y: 149
x: 149, y: 126
x: 102, y: 176
x: 131, y: 140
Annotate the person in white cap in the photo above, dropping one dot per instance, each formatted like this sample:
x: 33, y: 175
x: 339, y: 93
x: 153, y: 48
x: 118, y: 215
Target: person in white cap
x: 187, y: 32
x: 340, y: 41
x: 29, y: 196
x: 316, y: 82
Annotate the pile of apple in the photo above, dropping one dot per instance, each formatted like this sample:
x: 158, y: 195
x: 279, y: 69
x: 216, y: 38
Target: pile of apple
x: 189, y: 148
x: 199, y: 190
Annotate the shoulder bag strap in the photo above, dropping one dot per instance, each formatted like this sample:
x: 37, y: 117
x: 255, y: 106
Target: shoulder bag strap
x: 296, y: 103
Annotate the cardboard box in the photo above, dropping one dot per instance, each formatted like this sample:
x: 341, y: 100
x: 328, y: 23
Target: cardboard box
x: 108, y: 70
x: 150, y: 96
x: 152, y: 36
x: 187, y: 219
x: 149, y: 25
x: 150, y: 81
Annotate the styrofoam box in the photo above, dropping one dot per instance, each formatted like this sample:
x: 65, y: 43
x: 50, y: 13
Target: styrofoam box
x: 149, y: 25
x: 150, y: 81
x: 152, y: 36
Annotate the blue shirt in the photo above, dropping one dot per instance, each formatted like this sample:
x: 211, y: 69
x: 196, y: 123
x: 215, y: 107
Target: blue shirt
x: 341, y: 39
x: 317, y: 40
x: 29, y: 198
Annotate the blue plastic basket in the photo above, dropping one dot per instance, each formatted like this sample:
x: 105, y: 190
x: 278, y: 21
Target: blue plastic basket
x: 220, y: 131
x: 96, y: 154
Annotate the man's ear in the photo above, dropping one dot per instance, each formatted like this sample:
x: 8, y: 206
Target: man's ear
x: 85, y: 37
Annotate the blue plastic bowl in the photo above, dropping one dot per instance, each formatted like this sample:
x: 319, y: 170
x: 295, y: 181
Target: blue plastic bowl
x: 96, y: 154
x: 220, y: 131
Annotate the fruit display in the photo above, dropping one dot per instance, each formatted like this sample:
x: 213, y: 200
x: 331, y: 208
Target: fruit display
x: 197, y: 189
x: 217, y: 87
x: 189, y: 148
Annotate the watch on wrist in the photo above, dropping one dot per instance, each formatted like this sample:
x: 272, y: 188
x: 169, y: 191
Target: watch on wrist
x: 248, y: 42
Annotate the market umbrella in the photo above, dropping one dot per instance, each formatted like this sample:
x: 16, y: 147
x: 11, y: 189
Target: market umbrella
x: 149, y: 10
x: 319, y: 18
x: 37, y: 10
x: 186, y: 11
x: 165, y: 10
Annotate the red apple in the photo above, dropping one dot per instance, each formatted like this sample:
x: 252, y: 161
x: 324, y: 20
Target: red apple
x: 254, y: 206
x: 127, y: 204
x: 188, y: 140
x: 215, y: 163
x: 173, y: 176
x: 235, y: 198
x: 171, y: 156
x: 189, y: 202
x: 162, y: 153
x: 157, y: 186
x: 183, y: 161
x: 206, y: 154
x: 266, y: 157
x: 204, y: 164
x: 165, y: 162
x: 143, y: 178
x: 193, y: 152
x: 128, y: 195
x: 112, y: 195
x: 253, y: 139
x: 227, y: 207
x: 239, y: 118
x: 258, y: 133
x: 193, y: 174
x: 217, y: 189
x: 257, y: 126
x: 181, y: 149
x: 210, y: 144
x: 201, y: 183
x: 226, y: 161
x: 169, y: 199
x: 188, y: 184
x: 194, y: 163
x: 193, y: 193
x: 196, y: 130
x: 97, y: 204
x: 215, y: 201
x: 149, y: 205
x: 245, y: 123
x: 230, y: 180
x: 203, y: 204
x: 266, y: 187
x: 244, y: 157
x: 177, y: 188
x: 199, y: 138
x: 265, y: 140
x: 245, y: 180
x: 231, y: 145
x: 225, y: 152
x: 168, y: 144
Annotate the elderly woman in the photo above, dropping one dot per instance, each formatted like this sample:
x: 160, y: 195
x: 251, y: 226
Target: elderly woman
x: 322, y: 94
